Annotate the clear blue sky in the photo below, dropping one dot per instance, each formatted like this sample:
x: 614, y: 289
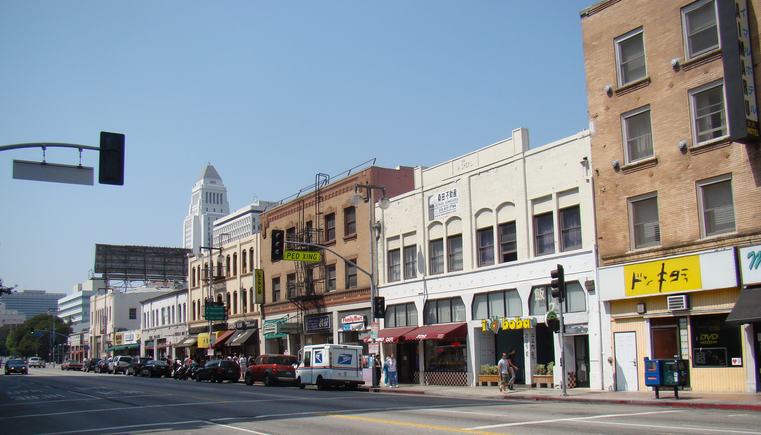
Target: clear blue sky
x: 269, y: 92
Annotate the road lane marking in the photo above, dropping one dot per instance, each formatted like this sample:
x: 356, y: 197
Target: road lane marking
x: 238, y: 428
x: 463, y: 412
x: 411, y: 424
x: 559, y: 420
x: 691, y: 428
x: 134, y: 426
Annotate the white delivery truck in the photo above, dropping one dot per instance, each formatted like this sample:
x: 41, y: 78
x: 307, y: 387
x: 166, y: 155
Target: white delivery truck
x: 327, y: 365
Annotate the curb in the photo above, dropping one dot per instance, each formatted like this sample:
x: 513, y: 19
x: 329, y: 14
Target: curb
x: 395, y: 391
x: 655, y: 402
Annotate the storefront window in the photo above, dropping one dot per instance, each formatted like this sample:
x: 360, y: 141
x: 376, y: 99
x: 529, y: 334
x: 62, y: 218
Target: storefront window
x: 503, y: 303
x: 715, y: 343
x: 444, y: 311
x: 445, y: 355
x: 401, y: 315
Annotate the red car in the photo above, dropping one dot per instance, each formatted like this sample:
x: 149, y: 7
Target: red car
x: 71, y: 364
x: 272, y: 369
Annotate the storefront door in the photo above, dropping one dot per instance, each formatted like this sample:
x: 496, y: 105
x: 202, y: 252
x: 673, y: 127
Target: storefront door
x: 406, y: 360
x: 512, y: 341
x: 581, y: 351
x: 664, y: 336
x: 625, y: 344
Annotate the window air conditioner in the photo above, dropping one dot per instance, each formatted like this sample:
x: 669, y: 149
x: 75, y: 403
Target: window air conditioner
x: 676, y: 303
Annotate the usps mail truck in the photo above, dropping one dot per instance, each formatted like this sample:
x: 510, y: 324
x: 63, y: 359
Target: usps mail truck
x: 327, y: 365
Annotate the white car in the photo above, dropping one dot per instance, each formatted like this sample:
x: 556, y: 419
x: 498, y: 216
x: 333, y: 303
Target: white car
x: 36, y: 361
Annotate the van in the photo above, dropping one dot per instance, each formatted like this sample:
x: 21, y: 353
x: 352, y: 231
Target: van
x: 328, y: 365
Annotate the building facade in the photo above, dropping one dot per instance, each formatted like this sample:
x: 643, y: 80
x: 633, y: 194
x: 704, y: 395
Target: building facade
x: 673, y: 111
x: 32, y: 302
x: 466, y: 259
x: 208, y: 202
x: 10, y: 317
x: 163, y: 325
x: 241, y: 223
x: 327, y: 301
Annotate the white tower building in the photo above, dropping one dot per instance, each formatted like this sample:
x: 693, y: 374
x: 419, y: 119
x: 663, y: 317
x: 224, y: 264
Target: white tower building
x: 207, y: 203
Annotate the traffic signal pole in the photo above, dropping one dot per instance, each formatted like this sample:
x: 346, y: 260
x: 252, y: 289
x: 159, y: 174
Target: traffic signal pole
x: 562, y: 348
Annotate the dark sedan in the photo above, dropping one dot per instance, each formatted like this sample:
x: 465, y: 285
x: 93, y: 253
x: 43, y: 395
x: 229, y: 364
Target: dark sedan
x: 102, y: 366
x: 90, y: 364
x: 136, y: 365
x: 156, y: 368
x: 16, y: 366
x: 218, y: 371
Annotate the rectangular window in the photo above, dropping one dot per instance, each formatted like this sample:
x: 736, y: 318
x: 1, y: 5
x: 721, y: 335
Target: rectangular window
x: 436, y: 256
x: 717, y: 210
x: 394, y: 266
x: 454, y: 253
x: 308, y: 230
x: 290, y: 234
x: 350, y: 221
x: 646, y: 230
x: 290, y: 284
x: 330, y: 277
x: 630, y: 57
x: 444, y: 311
x: 570, y: 228
x: 508, y: 247
x: 638, y: 135
x: 275, y: 289
x: 485, y: 241
x: 708, y: 114
x: 701, y: 33
x: 544, y: 234
x: 410, y: 262
x: 133, y: 313
x: 715, y: 343
x: 351, y: 275
x: 330, y: 227
x: 401, y: 315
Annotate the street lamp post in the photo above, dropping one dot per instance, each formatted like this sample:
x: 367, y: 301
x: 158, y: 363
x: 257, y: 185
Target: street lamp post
x: 210, y: 272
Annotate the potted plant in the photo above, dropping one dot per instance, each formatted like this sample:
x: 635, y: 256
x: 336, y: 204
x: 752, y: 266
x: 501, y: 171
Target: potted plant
x: 488, y: 374
x: 543, y: 374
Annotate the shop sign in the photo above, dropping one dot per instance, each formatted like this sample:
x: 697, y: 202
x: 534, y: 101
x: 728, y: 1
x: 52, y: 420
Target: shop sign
x: 203, y: 340
x: 373, y: 348
x: 663, y: 276
x: 129, y: 337
x: 750, y: 264
x: 442, y: 203
x: 506, y: 324
x: 354, y: 322
x: 119, y: 339
x: 319, y: 323
x: 374, y: 330
x: 271, y: 328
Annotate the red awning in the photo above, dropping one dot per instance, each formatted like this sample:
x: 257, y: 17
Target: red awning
x: 438, y: 332
x: 223, y: 337
x: 391, y: 335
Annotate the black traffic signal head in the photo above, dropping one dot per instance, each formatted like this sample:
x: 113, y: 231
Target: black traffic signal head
x: 379, y: 307
x: 111, y: 162
x: 278, y: 245
x: 558, y: 283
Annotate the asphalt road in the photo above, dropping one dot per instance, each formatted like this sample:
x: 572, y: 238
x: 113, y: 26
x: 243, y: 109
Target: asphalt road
x: 49, y: 401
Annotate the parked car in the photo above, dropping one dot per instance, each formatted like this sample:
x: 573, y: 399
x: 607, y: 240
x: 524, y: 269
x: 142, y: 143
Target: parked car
x: 90, y: 364
x: 119, y: 364
x: 219, y: 370
x: 136, y: 365
x: 16, y: 366
x: 36, y: 361
x: 102, y: 366
x: 156, y: 368
x: 272, y: 369
x: 71, y: 364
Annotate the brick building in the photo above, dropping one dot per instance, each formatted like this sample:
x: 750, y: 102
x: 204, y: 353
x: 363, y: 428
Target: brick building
x: 677, y: 168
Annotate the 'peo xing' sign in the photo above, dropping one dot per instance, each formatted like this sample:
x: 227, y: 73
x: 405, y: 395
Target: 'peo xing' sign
x: 506, y: 324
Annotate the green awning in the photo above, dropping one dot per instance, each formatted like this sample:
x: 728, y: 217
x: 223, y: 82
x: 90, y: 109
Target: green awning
x: 123, y: 347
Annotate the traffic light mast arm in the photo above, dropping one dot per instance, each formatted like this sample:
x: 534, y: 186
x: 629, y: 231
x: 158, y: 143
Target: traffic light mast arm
x: 47, y: 145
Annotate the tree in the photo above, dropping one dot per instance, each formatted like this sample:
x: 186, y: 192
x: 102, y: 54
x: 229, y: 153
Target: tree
x: 5, y: 330
x: 32, y: 338
x: 5, y: 290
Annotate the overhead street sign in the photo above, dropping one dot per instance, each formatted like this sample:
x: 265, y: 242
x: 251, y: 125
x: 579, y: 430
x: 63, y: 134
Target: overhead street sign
x: 214, y: 312
x: 308, y: 256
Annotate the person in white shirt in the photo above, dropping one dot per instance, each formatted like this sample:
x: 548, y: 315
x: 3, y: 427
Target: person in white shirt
x: 503, y: 368
x: 392, y: 375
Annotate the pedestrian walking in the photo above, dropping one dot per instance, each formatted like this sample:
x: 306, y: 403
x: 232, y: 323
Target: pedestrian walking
x: 513, y: 369
x: 385, y: 371
x: 392, y: 375
x: 377, y: 368
x: 503, y: 368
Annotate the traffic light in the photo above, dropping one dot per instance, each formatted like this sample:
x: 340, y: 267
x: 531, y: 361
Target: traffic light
x: 558, y: 283
x: 111, y: 162
x: 379, y: 307
x: 278, y: 245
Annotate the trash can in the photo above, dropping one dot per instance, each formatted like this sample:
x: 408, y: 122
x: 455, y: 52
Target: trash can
x: 670, y: 373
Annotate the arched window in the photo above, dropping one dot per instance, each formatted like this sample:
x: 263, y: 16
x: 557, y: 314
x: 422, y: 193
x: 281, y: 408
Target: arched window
x: 243, y: 304
x: 227, y: 265
x: 503, y: 303
x: 219, y: 298
x: 235, y: 302
x: 539, y: 301
x: 447, y: 310
x: 251, y: 258
x: 243, y: 266
x: 251, y: 299
x: 228, y: 300
x: 235, y: 264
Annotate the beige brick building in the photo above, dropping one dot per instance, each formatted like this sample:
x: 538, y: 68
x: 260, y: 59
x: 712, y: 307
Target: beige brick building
x: 677, y: 169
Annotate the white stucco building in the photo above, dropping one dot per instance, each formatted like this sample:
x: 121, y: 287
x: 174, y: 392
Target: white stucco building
x: 208, y: 202
x: 163, y: 324
x: 465, y: 261
x: 241, y: 223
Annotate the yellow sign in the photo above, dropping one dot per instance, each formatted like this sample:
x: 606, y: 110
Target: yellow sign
x: 203, y: 340
x: 259, y: 286
x: 308, y: 256
x: 495, y: 324
x: 663, y: 276
x: 119, y: 339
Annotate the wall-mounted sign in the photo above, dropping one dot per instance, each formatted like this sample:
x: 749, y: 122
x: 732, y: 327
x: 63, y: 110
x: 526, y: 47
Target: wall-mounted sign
x: 271, y: 328
x: 495, y: 324
x: 259, y: 286
x: 119, y: 339
x: 750, y: 264
x: 663, y: 276
x: 354, y: 322
x: 442, y: 203
x: 319, y: 323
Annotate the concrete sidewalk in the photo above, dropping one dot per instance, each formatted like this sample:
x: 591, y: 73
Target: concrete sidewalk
x: 687, y: 399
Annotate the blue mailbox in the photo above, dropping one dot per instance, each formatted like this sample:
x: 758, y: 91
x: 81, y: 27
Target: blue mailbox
x: 671, y: 373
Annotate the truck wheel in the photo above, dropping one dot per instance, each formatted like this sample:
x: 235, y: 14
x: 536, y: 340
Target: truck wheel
x: 320, y: 383
x: 298, y: 382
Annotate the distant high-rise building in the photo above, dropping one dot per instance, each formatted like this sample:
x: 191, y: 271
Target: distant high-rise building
x: 207, y: 203
x: 75, y: 308
x: 32, y: 302
x: 10, y: 317
x: 241, y: 223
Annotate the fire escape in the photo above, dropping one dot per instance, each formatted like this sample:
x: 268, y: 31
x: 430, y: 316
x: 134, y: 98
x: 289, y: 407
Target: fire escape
x: 308, y: 289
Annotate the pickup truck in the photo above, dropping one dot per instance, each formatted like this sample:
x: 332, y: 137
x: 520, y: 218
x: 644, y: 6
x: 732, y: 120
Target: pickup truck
x: 272, y: 369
